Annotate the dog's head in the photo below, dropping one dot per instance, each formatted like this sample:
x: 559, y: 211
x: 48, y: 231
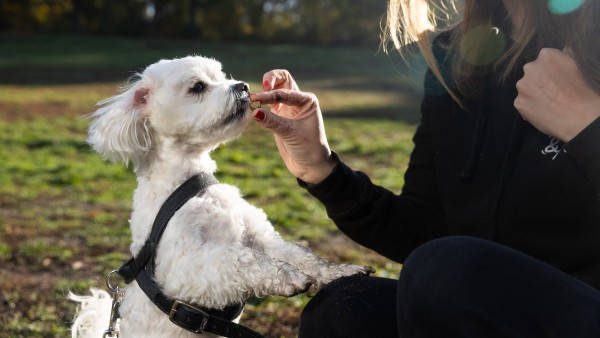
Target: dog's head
x: 188, y: 101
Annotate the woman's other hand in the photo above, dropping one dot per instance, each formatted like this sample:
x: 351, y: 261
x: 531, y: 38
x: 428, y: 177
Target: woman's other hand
x: 297, y: 124
x: 554, y: 96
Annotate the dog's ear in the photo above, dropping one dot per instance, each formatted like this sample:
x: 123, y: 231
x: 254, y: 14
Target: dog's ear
x: 141, y: 96
x: 120, y: 130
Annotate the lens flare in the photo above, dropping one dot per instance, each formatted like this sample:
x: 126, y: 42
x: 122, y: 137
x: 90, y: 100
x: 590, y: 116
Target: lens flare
x: 482, y: 45
x: 564, y: 6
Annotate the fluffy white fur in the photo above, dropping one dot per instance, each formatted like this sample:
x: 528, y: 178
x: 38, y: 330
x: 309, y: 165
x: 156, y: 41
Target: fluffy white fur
x: 218, y: 249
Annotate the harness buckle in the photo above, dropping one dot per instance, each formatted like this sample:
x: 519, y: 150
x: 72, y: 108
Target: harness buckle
x: 203, y: 316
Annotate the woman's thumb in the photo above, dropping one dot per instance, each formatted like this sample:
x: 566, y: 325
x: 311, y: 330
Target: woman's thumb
x: 277, y: 124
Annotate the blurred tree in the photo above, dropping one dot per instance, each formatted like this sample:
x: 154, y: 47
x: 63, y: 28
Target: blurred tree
x: 305, y: 21
x: 340, y: 21
x: 219, y: 19
x: 254, y: 16
x: 32, y: 15
x: 108, y: 17
x: 281, y: 21
x: 168, y: 18
x: 192, y: 27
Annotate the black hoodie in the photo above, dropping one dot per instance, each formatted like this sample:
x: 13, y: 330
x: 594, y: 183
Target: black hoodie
x: 481, y: 171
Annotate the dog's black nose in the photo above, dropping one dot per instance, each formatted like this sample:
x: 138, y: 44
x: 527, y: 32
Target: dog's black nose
x: 241, y: 87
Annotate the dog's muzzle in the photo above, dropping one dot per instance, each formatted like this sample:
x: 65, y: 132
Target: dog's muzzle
x: 241, y: 87
x: 240, y: 93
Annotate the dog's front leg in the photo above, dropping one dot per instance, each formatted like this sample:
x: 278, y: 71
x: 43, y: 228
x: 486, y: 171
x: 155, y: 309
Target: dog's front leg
x: 312, y: 265
x: 218, y: 275
x: 262, y: 237
x: 268, y: 276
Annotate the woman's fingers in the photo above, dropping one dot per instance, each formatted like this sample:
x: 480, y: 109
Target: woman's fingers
x: 279, y: 125
x: 297, y: 123
x: 279, y: 79
x: 285, y: 96
x: 297, y: 104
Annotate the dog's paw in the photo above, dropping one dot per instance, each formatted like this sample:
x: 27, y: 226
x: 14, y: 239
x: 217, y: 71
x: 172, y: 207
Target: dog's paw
x: 343, y: 270
x: 335, y: 271
x: 296, y: 283
x: 361, y: 270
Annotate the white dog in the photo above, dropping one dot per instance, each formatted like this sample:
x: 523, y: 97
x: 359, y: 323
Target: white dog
x: 217, y: 249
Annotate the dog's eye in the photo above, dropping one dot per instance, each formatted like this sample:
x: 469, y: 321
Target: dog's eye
x: 197, y: 88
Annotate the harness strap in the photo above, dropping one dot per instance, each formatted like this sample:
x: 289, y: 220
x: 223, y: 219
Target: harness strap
x: 193, y: 186
x: 193, y: 318
x: 141, y: 268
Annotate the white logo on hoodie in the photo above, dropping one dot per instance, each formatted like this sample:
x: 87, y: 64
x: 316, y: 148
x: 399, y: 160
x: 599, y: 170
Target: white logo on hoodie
x: 553, y: 148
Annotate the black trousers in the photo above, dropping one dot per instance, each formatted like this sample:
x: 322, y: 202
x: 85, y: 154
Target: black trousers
x: 457, y: 287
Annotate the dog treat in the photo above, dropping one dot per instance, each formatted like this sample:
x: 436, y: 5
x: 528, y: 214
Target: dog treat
x: 255, y: 104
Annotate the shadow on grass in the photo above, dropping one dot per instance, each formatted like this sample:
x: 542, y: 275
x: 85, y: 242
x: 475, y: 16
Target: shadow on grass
x: 48, y: 60
x: 39, y: 74
x: 408, y: 113
x: 407, y: 110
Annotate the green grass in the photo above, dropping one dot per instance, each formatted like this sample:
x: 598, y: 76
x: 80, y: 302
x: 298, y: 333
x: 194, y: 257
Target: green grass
x: 64, y: 212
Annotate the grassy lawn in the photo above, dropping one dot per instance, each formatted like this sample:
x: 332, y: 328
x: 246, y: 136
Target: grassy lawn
x: 64, y: 212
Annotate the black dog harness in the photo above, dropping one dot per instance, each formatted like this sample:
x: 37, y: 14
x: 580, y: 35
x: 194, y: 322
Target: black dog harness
x: 141, y: 268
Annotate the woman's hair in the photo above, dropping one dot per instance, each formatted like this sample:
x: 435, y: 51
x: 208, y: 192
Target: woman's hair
x: 476, y: 45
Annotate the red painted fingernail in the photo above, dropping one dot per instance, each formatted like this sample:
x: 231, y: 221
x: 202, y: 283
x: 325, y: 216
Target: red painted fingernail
x: 265, y: 84
x: 259, y: 115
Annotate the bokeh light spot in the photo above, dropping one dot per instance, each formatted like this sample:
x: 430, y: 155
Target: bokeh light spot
x: 564, y: 6
x: 482, y: 45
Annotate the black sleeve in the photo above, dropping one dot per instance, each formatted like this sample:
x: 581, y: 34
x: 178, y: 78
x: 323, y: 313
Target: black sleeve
x: 390, y: 224
x: 585, y: 149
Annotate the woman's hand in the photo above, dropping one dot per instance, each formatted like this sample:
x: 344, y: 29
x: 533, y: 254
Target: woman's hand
x: 297, y: 124
x: 554, y: 97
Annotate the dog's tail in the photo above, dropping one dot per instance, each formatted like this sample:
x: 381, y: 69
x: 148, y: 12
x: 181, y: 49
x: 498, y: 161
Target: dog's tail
x: 93, y: 315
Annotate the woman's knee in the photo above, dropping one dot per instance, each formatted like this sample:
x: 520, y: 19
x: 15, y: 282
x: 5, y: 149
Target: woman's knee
x: 450, y: 258
x: 451, y: 270
x: 437, y: 280
x: 461, y: 286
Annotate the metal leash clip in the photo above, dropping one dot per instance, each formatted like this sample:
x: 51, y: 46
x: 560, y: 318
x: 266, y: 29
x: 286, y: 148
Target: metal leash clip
x: 117, y: 298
